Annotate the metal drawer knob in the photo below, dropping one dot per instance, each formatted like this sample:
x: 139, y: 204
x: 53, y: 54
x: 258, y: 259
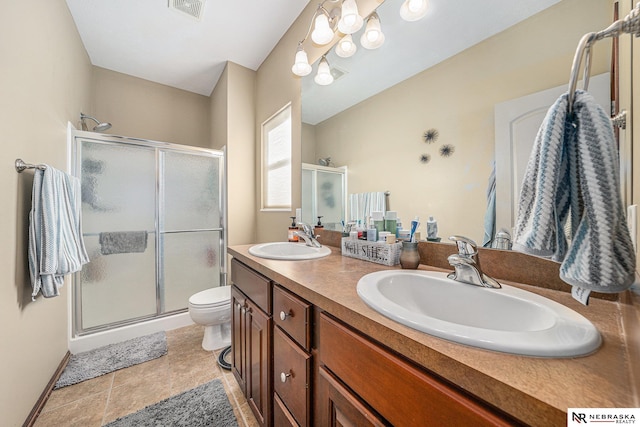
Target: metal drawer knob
x: 284, y: 376
x: 283, y: 315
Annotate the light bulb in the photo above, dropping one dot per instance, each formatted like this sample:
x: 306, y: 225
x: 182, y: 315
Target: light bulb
x: 413, y: 10
x: 322, y: 33
x: 350, y: 20
x: 373, y: 37
x: 346, y: 47
x: 323, y: 77
x: 301, y: 65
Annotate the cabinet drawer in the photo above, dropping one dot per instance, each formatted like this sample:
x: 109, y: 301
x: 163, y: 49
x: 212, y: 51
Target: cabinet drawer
x: 281, y: 415
x: 252, y: 284
x: 374, y: 374
x: 292, y: 371
x: 293, y: 315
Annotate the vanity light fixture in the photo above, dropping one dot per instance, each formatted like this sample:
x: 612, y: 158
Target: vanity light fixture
x: 373, y: 37
x: 322, y: 32
x: 323, y: 77
x: 346, y: 47
x: 413, y: 10
x: 350, y: 19
x: 301, y: 66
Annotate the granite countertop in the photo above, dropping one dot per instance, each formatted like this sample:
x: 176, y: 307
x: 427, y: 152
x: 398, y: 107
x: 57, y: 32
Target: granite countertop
x: 537, y: 391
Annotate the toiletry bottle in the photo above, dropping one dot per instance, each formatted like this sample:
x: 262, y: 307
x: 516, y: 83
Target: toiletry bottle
x: 432, y: 229
x: 398, y: 227
x: 378, y: 221
x: 390, y: 222
x: 319, y: 224
x: 372, y: 232
x: 293, y: 237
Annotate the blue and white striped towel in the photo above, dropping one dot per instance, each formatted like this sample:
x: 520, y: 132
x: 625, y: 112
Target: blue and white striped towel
x: 572, y: 175
x: 56, y: 247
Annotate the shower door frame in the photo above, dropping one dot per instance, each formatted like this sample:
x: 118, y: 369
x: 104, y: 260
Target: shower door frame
x: 159, y: 148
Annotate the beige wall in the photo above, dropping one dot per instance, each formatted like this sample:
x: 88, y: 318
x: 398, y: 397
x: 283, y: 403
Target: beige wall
x: 232, y: 124
x: 382, y: 146
x: 142, y: 109
x: 308, y: 144
x: 45, y: 81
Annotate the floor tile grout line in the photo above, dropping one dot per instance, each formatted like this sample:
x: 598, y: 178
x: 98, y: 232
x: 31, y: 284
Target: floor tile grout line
x: 106, y: 406
x: 237, y: 404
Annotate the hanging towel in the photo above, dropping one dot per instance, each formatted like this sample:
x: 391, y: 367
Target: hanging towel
x: 123, y: 242
x: 490, y: 214
x: 362, y: 204
x: 56, y: 247
x: 572, y: 177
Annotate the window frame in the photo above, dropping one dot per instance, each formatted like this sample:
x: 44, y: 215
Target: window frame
x: 282, y: 116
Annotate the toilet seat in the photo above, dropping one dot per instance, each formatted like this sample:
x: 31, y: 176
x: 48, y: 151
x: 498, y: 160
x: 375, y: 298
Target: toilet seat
x: 209, y: 298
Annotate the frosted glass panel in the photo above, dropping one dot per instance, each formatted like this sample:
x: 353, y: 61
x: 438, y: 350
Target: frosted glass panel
x: 191, y: 264
x: 329, y: 197
x: 118, y: 187
x: 191, y: 191
x: 117, y: 286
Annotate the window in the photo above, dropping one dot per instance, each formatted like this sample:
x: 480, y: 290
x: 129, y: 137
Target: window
x: 276, y: 161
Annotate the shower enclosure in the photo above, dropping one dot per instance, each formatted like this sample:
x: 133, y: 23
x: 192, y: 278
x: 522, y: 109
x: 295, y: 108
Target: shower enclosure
x: 153, y: 226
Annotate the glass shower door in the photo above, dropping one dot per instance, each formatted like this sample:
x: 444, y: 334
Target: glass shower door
x: 118, y: 221
x: 190, y: 226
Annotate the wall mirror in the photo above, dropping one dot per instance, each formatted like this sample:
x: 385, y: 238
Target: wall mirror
x: 416, y: 117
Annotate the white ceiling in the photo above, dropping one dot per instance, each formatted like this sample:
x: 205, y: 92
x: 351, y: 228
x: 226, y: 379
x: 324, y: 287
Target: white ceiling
x: 146, y: 39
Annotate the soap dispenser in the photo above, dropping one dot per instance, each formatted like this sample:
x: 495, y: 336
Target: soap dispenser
x: 293, y: 237
x: 319, y: 224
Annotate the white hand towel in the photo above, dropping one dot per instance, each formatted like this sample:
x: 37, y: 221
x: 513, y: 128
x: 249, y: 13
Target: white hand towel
x: 572, y: 175
x: 56, y: 247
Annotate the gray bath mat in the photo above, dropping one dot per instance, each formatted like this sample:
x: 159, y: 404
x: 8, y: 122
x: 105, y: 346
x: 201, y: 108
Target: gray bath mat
x: 100, y: 361
x: 206, y: 405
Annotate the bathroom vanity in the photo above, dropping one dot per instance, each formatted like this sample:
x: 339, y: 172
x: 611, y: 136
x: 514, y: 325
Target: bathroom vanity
x: 308, y: 351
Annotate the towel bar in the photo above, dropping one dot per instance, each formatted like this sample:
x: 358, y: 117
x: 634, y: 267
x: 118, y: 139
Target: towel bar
x: 21, y: 166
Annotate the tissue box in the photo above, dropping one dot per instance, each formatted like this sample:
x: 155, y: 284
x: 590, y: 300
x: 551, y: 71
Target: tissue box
x: 378, y: 252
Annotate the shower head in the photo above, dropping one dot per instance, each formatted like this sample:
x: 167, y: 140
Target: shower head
x: 99, y: 127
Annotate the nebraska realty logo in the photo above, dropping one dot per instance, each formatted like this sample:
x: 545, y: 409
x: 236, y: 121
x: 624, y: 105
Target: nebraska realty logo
x: 602, y: 416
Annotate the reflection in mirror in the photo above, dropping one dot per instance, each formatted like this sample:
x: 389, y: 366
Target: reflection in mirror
x: 382, y: 139
x: 324, y: 196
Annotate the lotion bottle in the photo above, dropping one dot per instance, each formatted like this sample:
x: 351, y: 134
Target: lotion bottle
x: 378, y: 221
x: 391, y: 222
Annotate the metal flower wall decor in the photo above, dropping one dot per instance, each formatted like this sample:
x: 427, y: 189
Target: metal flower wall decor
x: 430, y: 136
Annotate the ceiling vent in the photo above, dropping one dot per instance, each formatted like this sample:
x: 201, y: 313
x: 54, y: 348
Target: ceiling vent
x: 193, y: 8
x: 337, y: 72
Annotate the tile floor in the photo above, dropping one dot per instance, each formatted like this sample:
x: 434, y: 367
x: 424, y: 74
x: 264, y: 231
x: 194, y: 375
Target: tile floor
x: 101, y: 400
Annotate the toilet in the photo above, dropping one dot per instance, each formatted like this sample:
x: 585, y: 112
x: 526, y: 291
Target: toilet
x: 212, y: 309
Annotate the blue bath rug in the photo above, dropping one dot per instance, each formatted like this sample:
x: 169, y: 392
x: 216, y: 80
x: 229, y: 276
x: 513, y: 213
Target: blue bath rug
x: 203, y: 406
x: 100, y: 361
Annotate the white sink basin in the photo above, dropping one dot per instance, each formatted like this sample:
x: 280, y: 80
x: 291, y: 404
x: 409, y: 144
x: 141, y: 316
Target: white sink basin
x: 288, y: 251
x: 510, y: 320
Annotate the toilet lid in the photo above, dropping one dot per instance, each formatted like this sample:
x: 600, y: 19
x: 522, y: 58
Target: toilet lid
x: 220, y: 295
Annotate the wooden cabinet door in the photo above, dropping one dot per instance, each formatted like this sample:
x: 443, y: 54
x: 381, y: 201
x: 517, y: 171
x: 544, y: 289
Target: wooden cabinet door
x: 259, y: 366
x: 238, y: 337
x: 341, y: 408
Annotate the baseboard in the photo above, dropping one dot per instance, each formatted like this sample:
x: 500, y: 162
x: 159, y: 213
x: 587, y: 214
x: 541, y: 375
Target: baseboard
x: 42, y: 400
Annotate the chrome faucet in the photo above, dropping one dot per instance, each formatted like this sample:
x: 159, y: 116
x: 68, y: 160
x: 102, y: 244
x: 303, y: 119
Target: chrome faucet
x: 305, y: 232
x: 467, y: 265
